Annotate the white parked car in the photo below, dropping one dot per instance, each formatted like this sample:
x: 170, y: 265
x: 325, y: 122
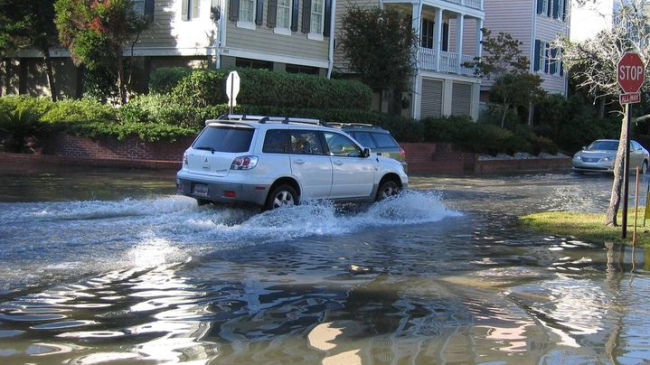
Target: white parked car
x: 275, y: 161
x: 601, y: 154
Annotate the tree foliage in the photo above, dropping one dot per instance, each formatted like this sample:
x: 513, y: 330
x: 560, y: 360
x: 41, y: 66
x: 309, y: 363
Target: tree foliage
x: 29, y: 24
x: 593, y: 64
x: 96, y: 32
x: 516, y: 90
x: 379, y: 44
x: 501, y: 55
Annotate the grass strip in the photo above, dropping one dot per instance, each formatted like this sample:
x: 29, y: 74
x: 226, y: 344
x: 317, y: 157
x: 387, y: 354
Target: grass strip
x: 589, y: 226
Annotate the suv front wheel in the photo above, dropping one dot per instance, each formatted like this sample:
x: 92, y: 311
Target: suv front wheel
x: 282, y: 195
x: 386, y: 189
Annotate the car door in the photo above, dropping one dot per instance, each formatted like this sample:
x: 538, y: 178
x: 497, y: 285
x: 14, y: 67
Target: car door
x: 310, y: 165
x: 636, y: 155
x: 353, y: 174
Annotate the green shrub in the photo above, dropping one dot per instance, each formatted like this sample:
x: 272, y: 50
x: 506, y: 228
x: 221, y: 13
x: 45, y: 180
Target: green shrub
x: 38, y: 106
x: 19, y: 126
x: 201, y: 88
x: 82, y: 110
x: 164, y: 80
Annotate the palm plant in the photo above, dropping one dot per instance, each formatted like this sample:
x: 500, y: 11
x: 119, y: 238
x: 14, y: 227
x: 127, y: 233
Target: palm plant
x: 17, y: 127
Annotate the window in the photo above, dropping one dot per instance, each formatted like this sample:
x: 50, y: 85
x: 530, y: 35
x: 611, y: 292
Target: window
x: 276, y: 141
x: 256, y: 64
x: 138, y: 6
x: 542, y: 6
x: 427, y: 33
x: 299, y: 69
x: 246, y: 11
x: 306, y: 143
x: 284, y: 15
x: 317, y: 16
x: 548, y: 60
x: 190, y: 9
x: 220, y: 139
x: 340, y: 145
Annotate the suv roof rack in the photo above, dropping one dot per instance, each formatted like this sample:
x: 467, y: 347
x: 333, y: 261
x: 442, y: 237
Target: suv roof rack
x: 354, y: 125
x: 264, y: 119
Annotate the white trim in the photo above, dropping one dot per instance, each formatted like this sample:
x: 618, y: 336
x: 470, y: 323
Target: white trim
x: 234, y: 52
x: 449, y: 76
x: 330, y: 56
x: 282, y: 31
x: 246, y: 24
x: 315, y: 36
x: 445, y: 5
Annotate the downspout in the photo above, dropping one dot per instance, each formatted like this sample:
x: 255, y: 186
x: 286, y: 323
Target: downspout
x: 330, y: 64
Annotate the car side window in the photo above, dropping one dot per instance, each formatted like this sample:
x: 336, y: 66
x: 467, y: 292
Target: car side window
x: 364, y: 138
x: 276, y: 141
x: 306, y: 142
x: 636, y: 146
x: 341, y: 145
x: 385, y: 140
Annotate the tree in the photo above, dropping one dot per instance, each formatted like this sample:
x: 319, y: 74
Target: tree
x: 97, y: 31
x: 593, y: 62
x: 516, y: 90
x: 379, y: 44
x: 30, y: 24
x: 502, y: 60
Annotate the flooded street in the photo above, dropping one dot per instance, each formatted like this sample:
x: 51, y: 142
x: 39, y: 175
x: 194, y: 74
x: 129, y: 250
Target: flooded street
x: 111, y: 267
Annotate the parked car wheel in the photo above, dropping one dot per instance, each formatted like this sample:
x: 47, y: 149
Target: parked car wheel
x: 644, y: 168
x: 282, y: 195
x: 386, y: 189
x: 202, y: 202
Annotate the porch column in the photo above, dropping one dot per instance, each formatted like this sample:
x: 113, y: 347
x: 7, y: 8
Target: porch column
x: 416, y: 98
x: 460, y: 22
x: 437, y: 34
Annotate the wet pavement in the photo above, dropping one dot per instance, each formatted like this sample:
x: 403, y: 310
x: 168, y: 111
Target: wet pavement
x: 110, y: 267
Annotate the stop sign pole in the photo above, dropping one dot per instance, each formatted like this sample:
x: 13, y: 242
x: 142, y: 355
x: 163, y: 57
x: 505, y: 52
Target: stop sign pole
x: 630, y: 74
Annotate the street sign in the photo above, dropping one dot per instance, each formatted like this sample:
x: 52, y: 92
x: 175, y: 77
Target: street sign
x: 629, y: 98
x: 630, y: 72
x: 232, y: 88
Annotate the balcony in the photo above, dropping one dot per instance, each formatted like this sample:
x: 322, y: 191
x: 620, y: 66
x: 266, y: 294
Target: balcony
x: 448, y: 62
x: 475, y: 4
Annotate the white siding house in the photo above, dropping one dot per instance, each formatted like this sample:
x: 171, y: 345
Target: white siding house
x: 448, y: 32
x: 536, y: 23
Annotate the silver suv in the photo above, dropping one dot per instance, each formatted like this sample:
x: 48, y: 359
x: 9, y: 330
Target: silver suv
x: 275, y: 161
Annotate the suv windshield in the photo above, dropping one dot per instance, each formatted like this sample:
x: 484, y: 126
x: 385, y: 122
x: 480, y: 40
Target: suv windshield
x: 224, y: 139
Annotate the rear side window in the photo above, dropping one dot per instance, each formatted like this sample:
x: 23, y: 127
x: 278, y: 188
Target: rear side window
x: 365, y: 139
x: 276, y: 141
x: 224, y: 139
x: 385, y: 140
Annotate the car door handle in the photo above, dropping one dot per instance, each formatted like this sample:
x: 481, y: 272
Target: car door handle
x: 298, y: 162
x: 338, y: 162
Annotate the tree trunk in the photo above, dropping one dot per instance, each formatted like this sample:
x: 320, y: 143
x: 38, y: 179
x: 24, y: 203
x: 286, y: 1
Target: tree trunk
x: 49, y: 71
x: 121, y: 86
x: 503, y: 116
x: 615, y: 198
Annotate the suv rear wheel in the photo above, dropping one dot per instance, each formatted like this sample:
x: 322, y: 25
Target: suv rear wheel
x: 282, y: 195
x: 386, y: 189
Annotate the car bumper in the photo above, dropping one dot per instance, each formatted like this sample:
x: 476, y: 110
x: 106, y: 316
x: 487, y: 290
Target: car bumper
x: 593, y: 166
x: 220, y: 191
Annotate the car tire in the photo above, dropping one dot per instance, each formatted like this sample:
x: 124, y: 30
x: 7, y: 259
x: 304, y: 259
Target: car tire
x: 387, y: 189
x: 202, y: 202
x: 644, y: 168
x: 280, y: 196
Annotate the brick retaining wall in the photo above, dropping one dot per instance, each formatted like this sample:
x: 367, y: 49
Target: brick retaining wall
x: 426, y: 158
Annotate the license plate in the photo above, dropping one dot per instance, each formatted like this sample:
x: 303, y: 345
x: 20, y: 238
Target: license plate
x: 200, y: 189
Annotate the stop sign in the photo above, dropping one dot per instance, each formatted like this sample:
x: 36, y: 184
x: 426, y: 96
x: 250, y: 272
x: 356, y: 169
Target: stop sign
x: 630, y: 72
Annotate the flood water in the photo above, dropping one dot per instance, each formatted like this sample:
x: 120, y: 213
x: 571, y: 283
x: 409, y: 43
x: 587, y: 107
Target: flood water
x: 110, y: 267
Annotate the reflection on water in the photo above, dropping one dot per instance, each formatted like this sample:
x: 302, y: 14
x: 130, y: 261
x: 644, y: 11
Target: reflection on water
x: 440, y: 275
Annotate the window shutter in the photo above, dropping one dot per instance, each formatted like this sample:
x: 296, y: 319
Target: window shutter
x: 306, y: 15
x: 561, y: 64
x: 271, y: 17
x: 546, y: 57
x: 233, y: 11
x: 184, y: 12
x: 294, y: 15
x: 548, y: 8
x: 540, y: 6
x: 537, y: 52
x: 259, y: 12
x: 149, y: 7
x: 445, y: 37
x: 195, y: 8
x: 553, y: 61
x: 327, y: 28
x: 556, y: 9
x: 563, y: 9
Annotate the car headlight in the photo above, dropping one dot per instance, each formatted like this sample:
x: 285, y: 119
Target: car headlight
x: 607, y: 159
x: 577, y: 157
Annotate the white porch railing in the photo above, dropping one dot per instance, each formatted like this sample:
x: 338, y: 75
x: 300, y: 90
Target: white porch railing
x: 476, y: 4
x: 448, y: 62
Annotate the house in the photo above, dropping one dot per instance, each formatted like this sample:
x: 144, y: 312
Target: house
x: 536, y: 23
x: 449, y: 37
x: 279, y: 35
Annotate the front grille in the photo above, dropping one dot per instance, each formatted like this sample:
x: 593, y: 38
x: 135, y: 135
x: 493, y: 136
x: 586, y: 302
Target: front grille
x: 590, y: 159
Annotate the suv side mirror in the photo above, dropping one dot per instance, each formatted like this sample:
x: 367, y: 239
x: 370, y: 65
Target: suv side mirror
x: 366, y: 152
